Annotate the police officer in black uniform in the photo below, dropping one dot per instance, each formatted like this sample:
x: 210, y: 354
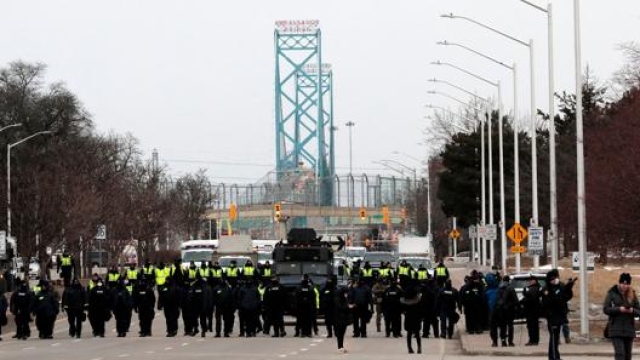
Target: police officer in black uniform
x: 223, y: 300
x: 144, y: 302
x: 19, y: 306
x: 305, y: 302
x: 171, y: 306
x: 74, y: 301
x: 392, y: 309
x: 275, y: 298
x: 99, y: 308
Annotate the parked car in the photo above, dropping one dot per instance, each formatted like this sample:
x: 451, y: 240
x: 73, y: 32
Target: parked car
x: 519, y: 282
x: 415, y: 262
x: 376, y: 257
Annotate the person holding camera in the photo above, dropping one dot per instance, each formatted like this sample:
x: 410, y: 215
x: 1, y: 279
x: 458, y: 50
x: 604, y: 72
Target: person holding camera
x: 555, y: 296
x: 621, y: 305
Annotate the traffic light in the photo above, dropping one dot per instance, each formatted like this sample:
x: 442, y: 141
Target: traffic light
x: 363, y: 214
x: 233, y: 212
x: 276, y: 209
x: 385, y: 214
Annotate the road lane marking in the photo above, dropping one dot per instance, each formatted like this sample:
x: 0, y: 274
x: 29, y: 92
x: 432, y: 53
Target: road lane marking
x: 318, y: 340
x: 282, y: 355
x: 151, y: 352
x: 29, y: 348
x: 185, y: 344
x: 293, y: 353
x: 55, y: 344
x: 123, y: 355
x: 304, y: 349
x: 168, y: 348
x: 313, y: 344
x: 77, y: 340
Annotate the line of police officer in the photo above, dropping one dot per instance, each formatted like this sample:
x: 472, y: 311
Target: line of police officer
x: 203, y: 293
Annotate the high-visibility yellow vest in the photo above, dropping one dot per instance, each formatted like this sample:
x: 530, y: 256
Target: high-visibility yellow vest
x: 37, y: 289
x: 261, y: 290
x: 403, y: 270
x: 130, y: 288
x: 204, y: 272
x: 161, y: 276
x: 248, y: 270
x: 113, y: 277
x: 66, y: 260
x: 91, y: 284
x: 192, y: 273
x: 232, y: 272
x: 266, y: 272
x: 148, y: 270
x: 216, y: 273
x: 132, y: 274
x: 441, y: 271
x: 315, y: 290
x: 422, y: 274
x: 383, y: 272
x: 367, y: 272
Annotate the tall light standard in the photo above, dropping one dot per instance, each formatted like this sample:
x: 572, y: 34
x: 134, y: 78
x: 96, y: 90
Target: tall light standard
x: 534, y: 155
x: 553, y: 234
x: 350, y: 182
x: 582, y: 221
x: 503, y: 236
x: 482, y: 246
x: 350, y: 124
x: 490, y: 140
x: 428, y: 193
x: 9, y: 147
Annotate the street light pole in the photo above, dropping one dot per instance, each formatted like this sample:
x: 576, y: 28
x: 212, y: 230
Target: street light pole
x: 534, y: 167
x: 503, y: 236
x: 553, y: 234
x: 9, y: 147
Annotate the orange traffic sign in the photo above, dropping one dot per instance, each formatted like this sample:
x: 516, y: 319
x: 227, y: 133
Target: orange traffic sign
x: 454, y: 234
x: 517, y: 233
x: 518, y: 249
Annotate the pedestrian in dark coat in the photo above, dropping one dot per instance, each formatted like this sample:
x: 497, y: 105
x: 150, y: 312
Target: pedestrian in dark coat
x: 532, y: 306
x: 20, y: 307
x: 99, y: 308
x: 74, y: 302
x: 327, y: 300
x: 504, y: 313
x: 429, y: 292
x: 46, y: 308
x: 361, y: 296
x: 342, y: 313
x: 122, y: 308
x: 447, y: 302
x: 555, y: 296
x: 412, y: 316
x: 621, y: 305
x: 144, y: 302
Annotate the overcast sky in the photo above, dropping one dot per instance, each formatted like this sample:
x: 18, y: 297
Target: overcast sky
x: 194, y: 79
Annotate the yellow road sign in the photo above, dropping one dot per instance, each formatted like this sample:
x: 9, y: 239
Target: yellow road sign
x: 454, y: 234
x: 518, y: 249
x: 517, y: 233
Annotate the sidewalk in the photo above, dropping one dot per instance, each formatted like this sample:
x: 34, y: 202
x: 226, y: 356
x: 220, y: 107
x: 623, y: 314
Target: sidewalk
x: 480, y: 344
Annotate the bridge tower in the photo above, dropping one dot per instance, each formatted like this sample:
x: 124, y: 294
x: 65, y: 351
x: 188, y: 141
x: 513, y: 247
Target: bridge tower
x: 303, y: 106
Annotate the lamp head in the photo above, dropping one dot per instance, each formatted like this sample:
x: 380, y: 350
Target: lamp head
x: 444, y: 42
x: 449, y: 15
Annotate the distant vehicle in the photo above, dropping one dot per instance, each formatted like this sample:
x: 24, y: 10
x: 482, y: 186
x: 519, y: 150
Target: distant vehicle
x: 225, y: 261
x: 264, y: 256
x: 302, y: 254
x: 197, y: 251
x: 31, y: 271
x: 264, y: 245
x: 417, y: 246
x: 355, y: 253
x: 416, y: 261
x: 375, y: 258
